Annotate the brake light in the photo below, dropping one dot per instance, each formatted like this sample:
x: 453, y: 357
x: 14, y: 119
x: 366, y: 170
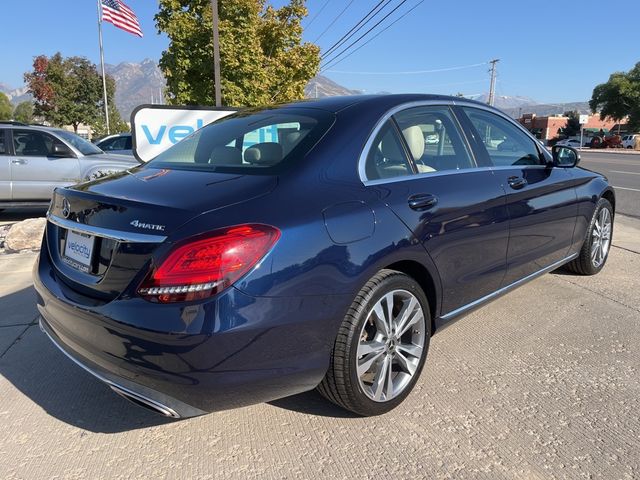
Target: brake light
x: 198, y: 269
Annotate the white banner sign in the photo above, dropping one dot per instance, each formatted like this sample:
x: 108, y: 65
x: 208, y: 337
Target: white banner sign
x: 584, y: 119
x: 158, y: 127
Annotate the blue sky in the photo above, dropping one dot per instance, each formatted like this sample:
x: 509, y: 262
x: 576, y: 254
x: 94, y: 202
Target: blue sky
x: 550, y: 51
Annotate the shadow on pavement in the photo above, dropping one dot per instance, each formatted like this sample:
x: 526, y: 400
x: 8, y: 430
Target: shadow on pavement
x: 46, y: 376
x: 312, y: 403
x: 12, y: 215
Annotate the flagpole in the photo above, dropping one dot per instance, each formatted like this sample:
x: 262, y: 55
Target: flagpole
x: 104, y: 78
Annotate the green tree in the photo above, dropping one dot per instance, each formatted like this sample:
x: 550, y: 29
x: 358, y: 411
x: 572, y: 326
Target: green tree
x: 619, y: 97
x: 24, y: 112
x: 573, y: 124
x: 262, y: 57
x: 116, y: 123
x: 6, y: 109
x: 67, y: 91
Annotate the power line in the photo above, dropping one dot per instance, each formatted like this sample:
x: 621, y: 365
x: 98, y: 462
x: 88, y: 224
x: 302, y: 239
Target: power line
x: 333, y: 21
x: 357, y: 26
x: 374, y: 37
x: 366, y: 33
x: 412, y: 72
x: 316, y: 15
x: 453, y: 84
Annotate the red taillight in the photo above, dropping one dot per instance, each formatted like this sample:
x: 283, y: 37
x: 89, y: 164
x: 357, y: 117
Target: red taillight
x: 200, y: 268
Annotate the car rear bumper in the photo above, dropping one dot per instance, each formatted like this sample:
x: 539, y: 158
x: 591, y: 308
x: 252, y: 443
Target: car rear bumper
x: 146, y: 397
x: 188, y: 359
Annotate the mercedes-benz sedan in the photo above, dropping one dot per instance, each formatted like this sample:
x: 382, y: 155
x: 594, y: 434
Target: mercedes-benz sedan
x: 319, y: 244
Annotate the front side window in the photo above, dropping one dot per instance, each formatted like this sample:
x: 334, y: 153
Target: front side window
x: 386, y: 157
x: 505, y: 143
x: 250, y: 142
x: 433, y: 139
x: 31, y: 143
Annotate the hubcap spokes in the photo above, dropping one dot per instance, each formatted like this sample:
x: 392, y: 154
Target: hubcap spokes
x: 601, y: 238
x: 391, y: 345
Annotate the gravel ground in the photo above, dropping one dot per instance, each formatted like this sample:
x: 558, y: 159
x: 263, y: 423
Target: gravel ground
x: 542, y: 383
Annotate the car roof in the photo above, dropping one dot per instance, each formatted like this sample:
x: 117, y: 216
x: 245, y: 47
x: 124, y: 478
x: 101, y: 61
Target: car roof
x: 336, y: 104
x: 42, y: 128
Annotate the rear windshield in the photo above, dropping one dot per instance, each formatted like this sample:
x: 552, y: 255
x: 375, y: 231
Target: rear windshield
x: 249, y: 142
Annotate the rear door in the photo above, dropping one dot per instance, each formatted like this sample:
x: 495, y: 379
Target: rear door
x: 425, y: 172
x: 5, y: 166
x: 541, y: 200
x: 35, y: 170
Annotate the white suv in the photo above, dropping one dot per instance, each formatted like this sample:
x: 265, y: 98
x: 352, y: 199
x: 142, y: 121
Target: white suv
x: 629, y: 140
x: 34, y: 160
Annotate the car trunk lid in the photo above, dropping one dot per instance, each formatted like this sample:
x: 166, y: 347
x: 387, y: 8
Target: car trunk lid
x: 101, y: 235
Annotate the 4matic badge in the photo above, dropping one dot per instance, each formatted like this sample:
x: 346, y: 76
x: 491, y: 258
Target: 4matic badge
x: 148, y: 226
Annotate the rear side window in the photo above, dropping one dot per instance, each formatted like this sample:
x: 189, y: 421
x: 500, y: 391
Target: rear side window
x: 386, y: 158
x: 433, y: 139
x: 3, y: 144
x: 249, y: 142
x: 505, y: 143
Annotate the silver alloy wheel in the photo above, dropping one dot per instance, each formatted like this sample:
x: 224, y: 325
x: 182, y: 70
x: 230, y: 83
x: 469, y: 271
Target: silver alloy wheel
x: 391, y: 345
x: 601, y: 238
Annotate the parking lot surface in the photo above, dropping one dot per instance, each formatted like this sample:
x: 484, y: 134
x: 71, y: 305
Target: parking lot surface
x: 623, y: 172
x: 543, y: 383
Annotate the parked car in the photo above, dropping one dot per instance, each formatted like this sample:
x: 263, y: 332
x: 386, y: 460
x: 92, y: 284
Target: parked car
x: 569, y: 142
x: 35, y: 160
x: 119, y: 143
x: 508, y: 145
x: 628, y: 141
x: 226, y: 272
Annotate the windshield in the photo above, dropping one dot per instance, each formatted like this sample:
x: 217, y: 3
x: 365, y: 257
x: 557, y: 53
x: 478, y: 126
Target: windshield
x: 249, y: 142
x: 85, y: 147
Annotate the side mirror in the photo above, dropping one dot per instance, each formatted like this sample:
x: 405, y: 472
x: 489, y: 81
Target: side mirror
x: 61, y: 150
x: 565, y: 157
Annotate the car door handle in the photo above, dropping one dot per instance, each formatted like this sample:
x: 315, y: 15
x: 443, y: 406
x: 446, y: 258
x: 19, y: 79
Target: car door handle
x: 517, y: 182
x: 422, y: 201
x: 18, y: 161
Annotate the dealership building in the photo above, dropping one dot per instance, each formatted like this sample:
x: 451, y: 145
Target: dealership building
x: 548, y: 127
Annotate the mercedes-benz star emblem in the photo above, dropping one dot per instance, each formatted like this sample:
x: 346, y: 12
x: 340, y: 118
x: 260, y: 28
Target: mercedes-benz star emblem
x: 66, y: 208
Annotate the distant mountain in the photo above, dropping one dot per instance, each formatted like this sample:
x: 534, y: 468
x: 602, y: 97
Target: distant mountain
x: 321, y: 86
x: 547, y: 109
x: 506, y: 102
x: 16, y: 95
x: 136, y: 83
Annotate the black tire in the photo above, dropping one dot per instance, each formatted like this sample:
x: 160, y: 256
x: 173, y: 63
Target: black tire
x: 341, y: 384
x: 583, y: 264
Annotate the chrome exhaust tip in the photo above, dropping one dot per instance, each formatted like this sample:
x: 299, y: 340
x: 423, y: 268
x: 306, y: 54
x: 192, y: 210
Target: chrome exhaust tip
x: 145, y: 402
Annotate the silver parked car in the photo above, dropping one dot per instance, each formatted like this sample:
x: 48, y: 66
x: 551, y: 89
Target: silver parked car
x: 34, y: 160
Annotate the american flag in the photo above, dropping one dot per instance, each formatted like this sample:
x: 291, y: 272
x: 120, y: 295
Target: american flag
x: 117, y: 13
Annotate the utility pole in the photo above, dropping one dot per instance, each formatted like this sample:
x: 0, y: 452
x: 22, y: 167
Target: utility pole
x: 492, y: 86
x: 216, y: 54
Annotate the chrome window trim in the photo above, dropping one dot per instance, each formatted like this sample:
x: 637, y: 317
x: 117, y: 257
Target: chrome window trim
x: 117, y: 235
x: 435, y: 103
x: 439, y: 173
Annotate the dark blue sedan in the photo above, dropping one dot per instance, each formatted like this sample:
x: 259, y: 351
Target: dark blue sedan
x: 313, y: 245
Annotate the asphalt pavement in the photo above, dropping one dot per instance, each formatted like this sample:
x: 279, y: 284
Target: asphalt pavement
x: 623, y: 172
x: 543, y: 383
